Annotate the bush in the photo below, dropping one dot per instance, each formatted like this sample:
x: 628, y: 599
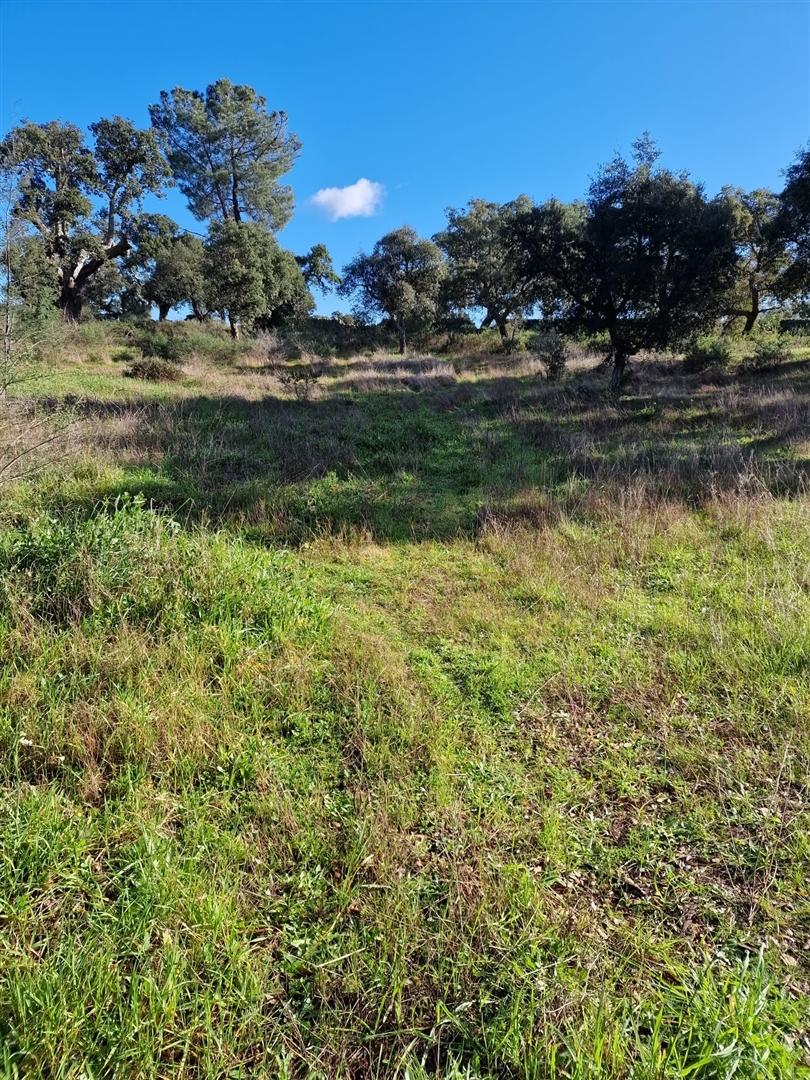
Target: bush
x: 552, y: 352
x: 598, y: 341
x: 212, y: 342
x: 94, y: 332
x: 770, y: 350
x: 165, y: 344
x: 515, y: 342
x: 708, y: 351
x: 154, y: 369
x: 342, y: 335
x: 301, y: 379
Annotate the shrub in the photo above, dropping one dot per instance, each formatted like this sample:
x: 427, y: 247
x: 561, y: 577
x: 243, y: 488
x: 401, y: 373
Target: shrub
x: 516, y: 340
x: 596, y: 342
x: 301, y: 379
x: 708, y: 351
x: 212, y: 342
x: 162, y: 344
x: 770, y: 349
x: 154, y: 369
x: 552, y: 352
x: 94, y: 332
x: 123, y: 355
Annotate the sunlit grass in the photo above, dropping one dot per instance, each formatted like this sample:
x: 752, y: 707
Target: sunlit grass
x: 430, y: 731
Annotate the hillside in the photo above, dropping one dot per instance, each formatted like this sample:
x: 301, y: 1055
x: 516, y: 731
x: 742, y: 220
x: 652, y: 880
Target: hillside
x: 445, y: 722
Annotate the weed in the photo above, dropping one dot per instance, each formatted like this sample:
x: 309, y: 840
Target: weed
x: 300, y: 378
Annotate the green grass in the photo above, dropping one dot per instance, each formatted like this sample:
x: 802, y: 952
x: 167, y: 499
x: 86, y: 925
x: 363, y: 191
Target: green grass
x: 453, y: 731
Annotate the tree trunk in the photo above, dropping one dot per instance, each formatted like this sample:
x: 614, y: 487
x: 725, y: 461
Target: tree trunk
x: 502, y: 330
x: 401, y: 335
x: 619, y: 368
x: 74, y: 278
x: 751, y: 316
x: 619, y: 350
x: 163, y: 311
x: 70, y: 303
x: 234, y: 325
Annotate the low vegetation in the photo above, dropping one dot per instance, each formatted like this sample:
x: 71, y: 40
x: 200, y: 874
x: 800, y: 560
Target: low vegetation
x: 438, y: 721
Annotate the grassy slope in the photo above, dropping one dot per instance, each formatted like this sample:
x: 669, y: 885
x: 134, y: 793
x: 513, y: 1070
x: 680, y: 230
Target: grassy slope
x: 443, y: 725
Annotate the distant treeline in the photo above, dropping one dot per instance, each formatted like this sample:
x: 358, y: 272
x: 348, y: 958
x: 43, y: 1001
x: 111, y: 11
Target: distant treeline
x: 646, y: 257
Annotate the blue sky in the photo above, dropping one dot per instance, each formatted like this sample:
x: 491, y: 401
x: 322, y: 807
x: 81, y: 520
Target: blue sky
x: 438, y: 102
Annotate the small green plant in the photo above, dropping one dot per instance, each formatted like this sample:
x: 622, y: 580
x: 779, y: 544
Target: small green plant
x: 708, y: 351
x: 123, y: 355
x: 596, y: 342
x: 93, y: 332
x: 153, y: 369
x: 552, y: 353
x: 300, y: 379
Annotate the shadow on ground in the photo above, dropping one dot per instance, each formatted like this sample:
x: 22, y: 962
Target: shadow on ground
x: 401, y: 464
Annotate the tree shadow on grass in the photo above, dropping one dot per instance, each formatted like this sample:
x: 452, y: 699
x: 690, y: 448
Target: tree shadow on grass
x: 401, y: 465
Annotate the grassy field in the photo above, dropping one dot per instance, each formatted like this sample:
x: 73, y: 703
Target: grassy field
x: 448, y: 724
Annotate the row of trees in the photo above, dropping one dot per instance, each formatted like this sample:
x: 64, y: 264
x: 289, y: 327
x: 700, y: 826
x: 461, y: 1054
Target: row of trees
x: 646, y: 256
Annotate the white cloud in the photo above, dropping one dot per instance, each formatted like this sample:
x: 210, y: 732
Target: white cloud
x: 360, y: 199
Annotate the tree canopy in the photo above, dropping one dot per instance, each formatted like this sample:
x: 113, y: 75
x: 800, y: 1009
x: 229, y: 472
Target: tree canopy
x: 400, y: 279
x: 762, y: 256
x: 250, y: 278
x: 646, y: 256
x: 794, y: 228
x: 60, y: 180
x: 317, y: 268
x: 482, y: 271
x: 227, y: 152
x: 177, y: 275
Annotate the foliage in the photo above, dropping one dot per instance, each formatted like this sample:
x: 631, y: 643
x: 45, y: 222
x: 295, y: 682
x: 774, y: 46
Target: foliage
x: 761, y: 253
x: 227, y: 152
x: 251, y: 278
x: 154, y: 369
x: 23, y: 311
x: 646, y: 257
x: 552, y: 351
x: 114, y: 292
x: 709, y: 351
x: 794, y: 226
x: 770, y: 349
x: 177, y: 275
x: 482, y: 268
x: 340, y: 334
x: 32, y: 281
x: 317, y: 268
x: 300, y: 378
x: 165, y: 344
x: 456, y: 324
x: 129, y: 166
x: 400, y: 279
x: 57, y: 178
